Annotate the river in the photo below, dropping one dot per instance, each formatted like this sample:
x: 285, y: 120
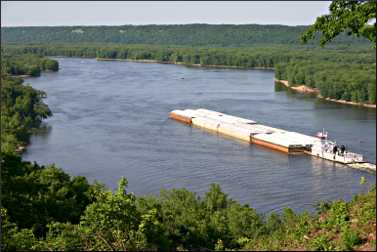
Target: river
x: 110, y: 119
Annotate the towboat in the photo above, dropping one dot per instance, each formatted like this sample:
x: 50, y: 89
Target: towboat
x: 329, y: 150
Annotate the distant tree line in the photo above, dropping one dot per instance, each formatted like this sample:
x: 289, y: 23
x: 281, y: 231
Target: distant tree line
x: 179, y: 35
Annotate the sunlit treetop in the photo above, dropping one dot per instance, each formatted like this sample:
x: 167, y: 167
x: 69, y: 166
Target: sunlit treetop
x: 354, y: 17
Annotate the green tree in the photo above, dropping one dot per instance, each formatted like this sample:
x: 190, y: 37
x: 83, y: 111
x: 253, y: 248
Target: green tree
x: 351, y: 16
x: 111, y: 222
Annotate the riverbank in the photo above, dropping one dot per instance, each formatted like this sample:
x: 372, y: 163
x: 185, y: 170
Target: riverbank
x: 315, y: 91
x: 186, y: 64
x: 22, y: 76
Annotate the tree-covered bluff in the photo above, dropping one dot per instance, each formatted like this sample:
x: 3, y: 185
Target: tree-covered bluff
x: 187, y: 35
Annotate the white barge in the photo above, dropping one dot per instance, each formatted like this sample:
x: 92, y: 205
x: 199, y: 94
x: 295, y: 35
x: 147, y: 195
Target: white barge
x: 273, y: 138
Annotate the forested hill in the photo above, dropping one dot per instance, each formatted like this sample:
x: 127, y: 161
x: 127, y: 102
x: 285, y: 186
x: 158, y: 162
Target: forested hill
x: 185, y: 35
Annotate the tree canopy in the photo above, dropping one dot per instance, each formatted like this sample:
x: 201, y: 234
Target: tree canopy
x: 189, y: 35
x: 351, y: 16
x: 22, y: 107
x: 46, y: 209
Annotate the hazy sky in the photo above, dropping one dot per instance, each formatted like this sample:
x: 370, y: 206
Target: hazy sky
x: 33, y: 13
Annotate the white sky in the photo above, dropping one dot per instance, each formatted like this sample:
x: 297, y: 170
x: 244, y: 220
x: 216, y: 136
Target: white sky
x: 52, y: 13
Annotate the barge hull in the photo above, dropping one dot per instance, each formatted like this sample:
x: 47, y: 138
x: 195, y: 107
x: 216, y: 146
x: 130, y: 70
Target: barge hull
x: 180, y: 118
x: 274, y: 146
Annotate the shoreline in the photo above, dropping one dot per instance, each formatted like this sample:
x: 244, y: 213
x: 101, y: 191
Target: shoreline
x: 315, y: 91
x: 185, y: 64
x: 28, y: 76
x: 23, y: 76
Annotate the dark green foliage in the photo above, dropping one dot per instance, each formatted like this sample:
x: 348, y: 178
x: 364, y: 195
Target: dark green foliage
x: 22, y: 110
x: 13, y: 238
x: 36, y: 195
x: 73, y: 215
x: 50, y: 65
x: 337, y: 215
x: 178, y: 35
x: 26, y: 64
x: 352, y: 81
x: 22, y: 107
x: 60, y: 236
x: 350, y: 238
x: 321, y: 243
x: 112, y: 221
x: 351, y: 16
